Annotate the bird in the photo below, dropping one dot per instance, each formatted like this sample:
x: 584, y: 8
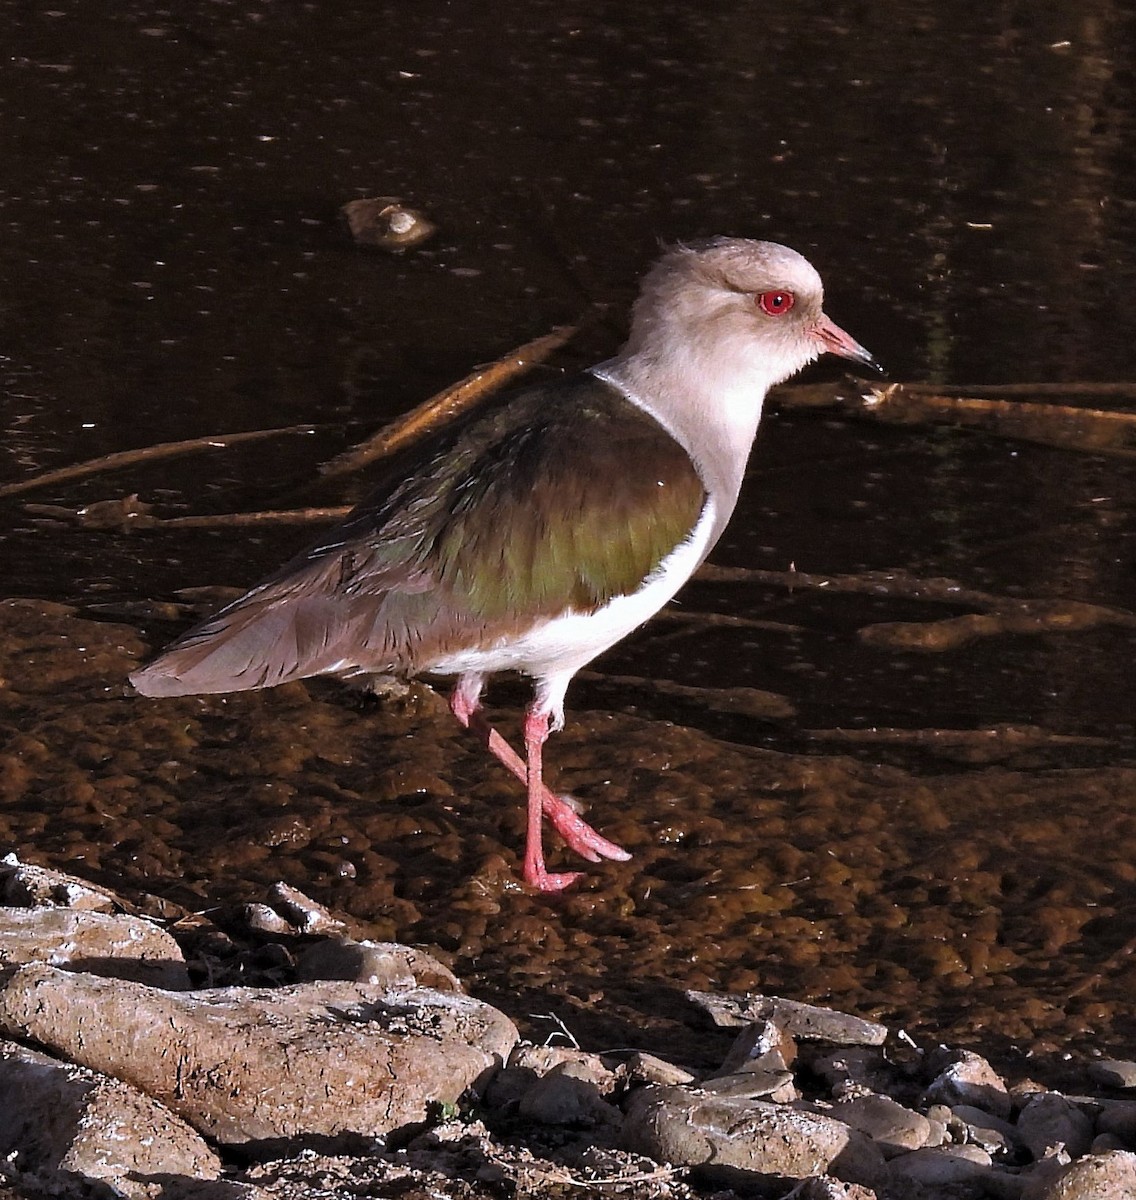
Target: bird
x: 536, y: 530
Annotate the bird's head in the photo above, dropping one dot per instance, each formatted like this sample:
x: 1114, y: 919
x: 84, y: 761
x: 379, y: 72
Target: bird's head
x: 735, y: 304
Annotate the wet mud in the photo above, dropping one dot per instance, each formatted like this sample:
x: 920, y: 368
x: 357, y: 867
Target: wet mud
x: 991, y: 906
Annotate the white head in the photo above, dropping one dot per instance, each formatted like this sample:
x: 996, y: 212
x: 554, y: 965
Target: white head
x: 743, y: 304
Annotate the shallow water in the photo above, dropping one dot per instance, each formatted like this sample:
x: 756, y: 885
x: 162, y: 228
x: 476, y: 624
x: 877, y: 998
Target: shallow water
x: 173, y: 266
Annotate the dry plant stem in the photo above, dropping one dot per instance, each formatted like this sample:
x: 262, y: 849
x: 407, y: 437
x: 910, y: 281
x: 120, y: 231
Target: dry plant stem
x: 449, y: 402
x: 146, y: 454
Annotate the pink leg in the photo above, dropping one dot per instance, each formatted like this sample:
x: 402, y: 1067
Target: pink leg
x: 536, y: 875
x: 578, y: 835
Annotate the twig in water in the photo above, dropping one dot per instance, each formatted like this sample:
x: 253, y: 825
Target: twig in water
x: 144, y: 454
x: 449, y: 402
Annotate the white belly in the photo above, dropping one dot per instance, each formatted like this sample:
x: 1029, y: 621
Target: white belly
x: 561, y: 645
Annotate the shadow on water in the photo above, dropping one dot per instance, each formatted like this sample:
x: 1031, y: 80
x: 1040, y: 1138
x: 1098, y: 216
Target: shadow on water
x: 173, y: 266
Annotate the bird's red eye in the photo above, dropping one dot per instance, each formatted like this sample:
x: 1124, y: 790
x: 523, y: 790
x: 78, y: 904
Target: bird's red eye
x: 776, y: 304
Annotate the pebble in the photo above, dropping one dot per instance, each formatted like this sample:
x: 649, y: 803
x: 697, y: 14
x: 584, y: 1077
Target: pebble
x: 1113, y: 1072
x: 970, y: 1079
x: 1049, y: 1120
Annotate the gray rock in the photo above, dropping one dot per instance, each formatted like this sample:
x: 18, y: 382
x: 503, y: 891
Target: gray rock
x: 646, y: 1068
x: 970, y: 1079
x: 379, y: 964
x: 1104, y: 1142
x: 65, y: 1125
x: 853, y: 1070
x: 1118, y: 1117
x: 1113, y: 1072
x: 564, y: 1098
x: 1050, y: 1120
x: 100, y: 943
x: 980, y: 1128
x: 894, y: 1128
x: 726, y: 1136
x: 943, y: 1166
x: 824, y: 1187
x: 1110, y: 1176
x: 245, y: 1064
x: 805, y: 1021
x: 26, y: 885
x: 579, y: 1063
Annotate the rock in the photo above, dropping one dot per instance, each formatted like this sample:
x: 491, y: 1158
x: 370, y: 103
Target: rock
x: 970, y: 1079
x: 381, y: 964
x: 29, y: 886
x: 824, y: 1187
x: 646, y: 1068
x: 853, y: 1070
x: 566, y: 1096
x: 1118, y: 1117
x: 87, y: 940
x: 754, y: 1043
x: 894, y: 1128
x: 730, y: 1138
x: 1050, y: 1120
x: 980, y: 1128
x: 805, y: 1021
x: 1113, y: 1072
x: 943, y: 1166
x: 1104, y: 1142
x: 1110, y: 1176
x: 757, y: 1065
x: 304, y: 914
x: 385, y: 222
x: 542, y: 1060
x: 248, y: 1064
x: 66, y: 1125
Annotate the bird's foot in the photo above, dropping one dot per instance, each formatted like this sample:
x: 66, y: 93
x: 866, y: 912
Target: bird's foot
x: 578, y: 835
x: 550, y: 881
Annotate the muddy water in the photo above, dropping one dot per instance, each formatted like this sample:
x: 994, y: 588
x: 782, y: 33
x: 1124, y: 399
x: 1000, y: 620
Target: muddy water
x: 172, y: 266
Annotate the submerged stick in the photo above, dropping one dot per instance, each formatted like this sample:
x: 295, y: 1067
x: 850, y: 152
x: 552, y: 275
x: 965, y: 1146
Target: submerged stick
x: 145, y: 454
x: 1091, y: 430
x: 448, y: 402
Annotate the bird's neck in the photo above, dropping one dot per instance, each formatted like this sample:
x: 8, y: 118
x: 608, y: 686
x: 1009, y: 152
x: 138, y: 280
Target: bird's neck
x: 710, y: 404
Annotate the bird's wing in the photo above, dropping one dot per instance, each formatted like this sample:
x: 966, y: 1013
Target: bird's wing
x: 557, y: 499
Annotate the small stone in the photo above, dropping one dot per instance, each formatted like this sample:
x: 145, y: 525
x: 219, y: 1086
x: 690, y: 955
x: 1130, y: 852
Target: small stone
x: 852, y: 1070
x: 1118, y: 1117
x: 561, y: 1098
x: 805, y: 1021
x: 380, y: 964
x: 305, y: 914
x: 71, y: 1126
x: 725, y: 1135
x: 29, y: 886
x: 1104, y: 1142
x: 894, y: 1128
x: 980, y: 1128
x: 1113, y: 1072
x: 942, y: 1166
x: 109, y: 944
x: 754, y: 1043
x: 1110, y: 1176
x: 1050, y: 1120
x: 824, y: 1187
x: 543, y: 1060
x: 646, y: 1068
x: 386, y: 223
x: 970, y: 1079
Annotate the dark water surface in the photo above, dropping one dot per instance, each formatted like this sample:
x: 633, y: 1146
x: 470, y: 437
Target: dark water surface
x: 172, y: 266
